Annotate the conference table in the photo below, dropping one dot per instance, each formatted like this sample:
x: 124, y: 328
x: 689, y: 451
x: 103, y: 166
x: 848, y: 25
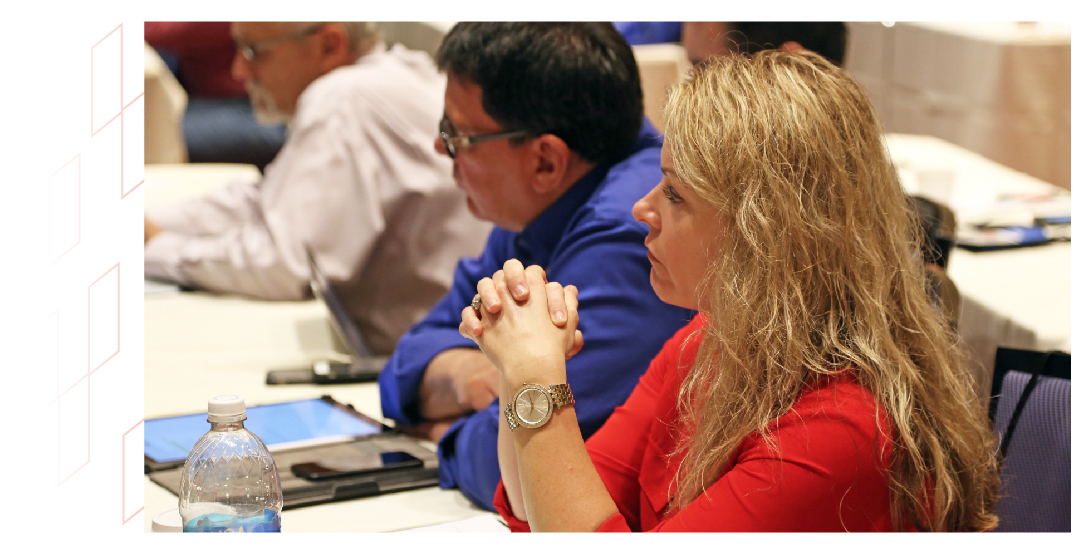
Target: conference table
x: 1017, y: 298
x: 198, y: 345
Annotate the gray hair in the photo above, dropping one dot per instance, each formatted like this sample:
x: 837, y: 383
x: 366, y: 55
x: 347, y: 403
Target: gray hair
x: 362, y: 35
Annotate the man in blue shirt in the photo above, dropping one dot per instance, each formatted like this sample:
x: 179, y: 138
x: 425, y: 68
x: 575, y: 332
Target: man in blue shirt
x: 544, y: 122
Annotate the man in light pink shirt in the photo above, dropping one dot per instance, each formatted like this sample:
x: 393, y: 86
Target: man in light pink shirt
x: 357, y: 180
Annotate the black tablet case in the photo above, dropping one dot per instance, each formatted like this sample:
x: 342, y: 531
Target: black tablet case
x: 301, y: 492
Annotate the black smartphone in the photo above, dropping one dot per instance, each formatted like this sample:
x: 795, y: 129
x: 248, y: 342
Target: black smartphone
x: 327, y: 372
x: 365, y: 463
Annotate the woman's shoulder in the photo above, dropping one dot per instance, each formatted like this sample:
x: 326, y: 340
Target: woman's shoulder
x: 836, y: 408
x: 840, y: 392
x: 684, y: 343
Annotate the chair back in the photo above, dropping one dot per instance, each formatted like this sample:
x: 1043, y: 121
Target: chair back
x: 939, y: 230
x: 661, y: 65
x: 1031, y: 410
x: 946, y: 296
x: 164, y: 107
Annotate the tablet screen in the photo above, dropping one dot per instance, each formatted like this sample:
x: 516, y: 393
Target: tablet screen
x: 171, y: 439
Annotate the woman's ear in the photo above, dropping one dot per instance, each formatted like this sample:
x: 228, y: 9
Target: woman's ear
x: 553, y: 157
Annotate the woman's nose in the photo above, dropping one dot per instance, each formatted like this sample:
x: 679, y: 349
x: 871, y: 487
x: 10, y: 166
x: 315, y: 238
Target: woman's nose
x: 644, y: 212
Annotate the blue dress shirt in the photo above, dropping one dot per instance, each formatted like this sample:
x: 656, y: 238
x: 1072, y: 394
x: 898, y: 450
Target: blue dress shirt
x: 587, y: 238
x: 649, y: 32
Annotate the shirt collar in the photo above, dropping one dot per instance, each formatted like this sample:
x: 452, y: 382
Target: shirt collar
x: 539, y: 239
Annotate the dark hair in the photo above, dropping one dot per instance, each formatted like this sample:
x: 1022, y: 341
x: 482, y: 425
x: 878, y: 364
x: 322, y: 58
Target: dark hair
x: 828, y: 38
x: 578, y: 81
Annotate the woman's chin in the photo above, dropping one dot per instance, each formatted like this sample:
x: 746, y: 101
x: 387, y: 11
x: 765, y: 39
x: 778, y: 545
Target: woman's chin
x: 668, y: 294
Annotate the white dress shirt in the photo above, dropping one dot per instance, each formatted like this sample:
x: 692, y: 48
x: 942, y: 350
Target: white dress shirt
x: 357, y: 180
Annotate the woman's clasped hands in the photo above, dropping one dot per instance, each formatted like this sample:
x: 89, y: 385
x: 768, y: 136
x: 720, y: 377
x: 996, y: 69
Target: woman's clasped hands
x: 525, y: 326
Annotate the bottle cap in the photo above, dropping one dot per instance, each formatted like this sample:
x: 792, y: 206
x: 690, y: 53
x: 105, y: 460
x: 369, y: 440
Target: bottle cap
x: 226, y: 409
x: 167, y: 521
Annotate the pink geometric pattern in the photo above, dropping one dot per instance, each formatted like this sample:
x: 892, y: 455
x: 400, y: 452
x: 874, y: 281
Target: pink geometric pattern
x: 56, y: 330
x: 88, y: 210
x: 105, y: 88
x: 103, y: 307
x: 135, y: 160
x: 125, y: 474
x: 65, y: 213
x: 71, y: 431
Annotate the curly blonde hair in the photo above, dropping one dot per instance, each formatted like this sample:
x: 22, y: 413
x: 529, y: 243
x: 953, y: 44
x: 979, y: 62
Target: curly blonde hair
x: 819, y: 271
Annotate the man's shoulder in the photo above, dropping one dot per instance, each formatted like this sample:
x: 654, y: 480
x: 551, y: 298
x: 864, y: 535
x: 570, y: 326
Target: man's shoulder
x: 381, y: 80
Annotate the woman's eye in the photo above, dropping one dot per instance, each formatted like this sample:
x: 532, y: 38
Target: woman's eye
x: 671, y: 194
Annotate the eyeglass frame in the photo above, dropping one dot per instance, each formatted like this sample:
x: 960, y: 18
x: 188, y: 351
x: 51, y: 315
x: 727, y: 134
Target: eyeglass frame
x: 251, y: 52
x: 452, y: 142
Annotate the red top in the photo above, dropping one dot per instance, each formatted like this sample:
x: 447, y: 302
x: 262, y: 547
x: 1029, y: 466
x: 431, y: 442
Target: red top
x: 828, y: 474
x: 205, y: 51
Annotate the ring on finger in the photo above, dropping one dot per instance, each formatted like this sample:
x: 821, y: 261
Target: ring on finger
x: 476, y: 304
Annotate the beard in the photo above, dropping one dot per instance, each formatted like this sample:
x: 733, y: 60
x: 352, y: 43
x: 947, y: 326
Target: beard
x: 264, y: 106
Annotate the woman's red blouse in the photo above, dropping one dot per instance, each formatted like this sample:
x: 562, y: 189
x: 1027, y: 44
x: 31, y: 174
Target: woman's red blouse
x: 827, y: 472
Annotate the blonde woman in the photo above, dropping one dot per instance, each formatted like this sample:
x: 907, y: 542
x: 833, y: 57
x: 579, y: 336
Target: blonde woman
x: 817, y: 390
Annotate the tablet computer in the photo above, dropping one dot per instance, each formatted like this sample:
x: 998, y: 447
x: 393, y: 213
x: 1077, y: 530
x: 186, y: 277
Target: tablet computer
x: 320, y: 434
x: 293, y: 424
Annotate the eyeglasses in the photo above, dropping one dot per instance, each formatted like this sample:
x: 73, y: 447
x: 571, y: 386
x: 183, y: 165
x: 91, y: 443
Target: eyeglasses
x: 452, y: 142
x: 250, y: 52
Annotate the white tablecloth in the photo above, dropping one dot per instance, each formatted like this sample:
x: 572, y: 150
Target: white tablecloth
x: 1002, y: 89
x: 165, y: 184
x: 200, y: 345
x: 1015, y: 298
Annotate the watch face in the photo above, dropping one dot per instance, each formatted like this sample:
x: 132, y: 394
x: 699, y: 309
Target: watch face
x: 532, y: 406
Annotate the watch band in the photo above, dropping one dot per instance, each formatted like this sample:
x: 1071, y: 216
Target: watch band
x: 561, y: 394
x: 509, y: 413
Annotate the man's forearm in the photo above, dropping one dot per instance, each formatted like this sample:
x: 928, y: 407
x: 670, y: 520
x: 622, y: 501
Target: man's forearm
x: 439, y: 396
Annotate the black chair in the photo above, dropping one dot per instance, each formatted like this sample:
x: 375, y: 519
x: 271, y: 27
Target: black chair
x: 1031, y: 411
x: 939, y: 232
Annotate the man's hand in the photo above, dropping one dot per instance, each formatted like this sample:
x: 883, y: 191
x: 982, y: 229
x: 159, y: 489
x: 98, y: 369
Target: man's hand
x: 150, y: 230
x: 432, y: 431
x: 457, y: 382
x: 476, y: 386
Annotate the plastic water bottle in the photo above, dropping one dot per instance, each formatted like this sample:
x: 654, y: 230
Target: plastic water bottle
x: 229, y: 482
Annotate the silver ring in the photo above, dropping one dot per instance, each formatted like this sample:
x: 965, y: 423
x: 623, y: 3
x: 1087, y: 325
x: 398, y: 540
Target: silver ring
x: 476, y: 304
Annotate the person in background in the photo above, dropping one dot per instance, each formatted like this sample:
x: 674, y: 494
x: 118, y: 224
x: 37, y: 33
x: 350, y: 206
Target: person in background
x: 544, y: 122
x: 649, y: 32
x: 703, y: 39
x: 219, y: 123
x: 356, y: 181
x: 817, y: 390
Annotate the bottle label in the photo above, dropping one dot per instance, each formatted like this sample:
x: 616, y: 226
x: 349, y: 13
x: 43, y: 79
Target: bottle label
x: 224, y: 523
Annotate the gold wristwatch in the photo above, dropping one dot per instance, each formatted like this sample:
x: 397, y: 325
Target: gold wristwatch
x: 533, y: 404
